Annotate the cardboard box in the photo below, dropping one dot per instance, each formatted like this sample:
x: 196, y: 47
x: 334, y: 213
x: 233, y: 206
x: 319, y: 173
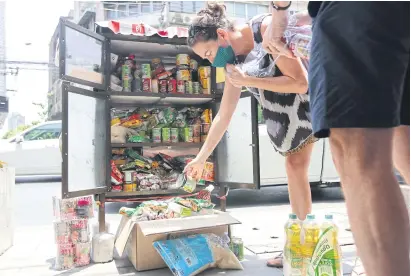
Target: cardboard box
x: 136, y: 238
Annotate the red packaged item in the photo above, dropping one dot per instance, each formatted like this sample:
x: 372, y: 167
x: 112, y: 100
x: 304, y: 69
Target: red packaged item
x: 163, y: 86
x: 181, y: 87
x: 163, y: 75
x: 116, y: 175
x: 146, y: 85
x: 172, y: 86
x: 116, y: 188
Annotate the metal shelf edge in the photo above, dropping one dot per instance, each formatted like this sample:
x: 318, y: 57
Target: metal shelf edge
x: 153, y: 145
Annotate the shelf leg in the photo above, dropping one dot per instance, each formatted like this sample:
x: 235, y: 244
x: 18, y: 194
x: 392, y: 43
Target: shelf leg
x: 102, y: 213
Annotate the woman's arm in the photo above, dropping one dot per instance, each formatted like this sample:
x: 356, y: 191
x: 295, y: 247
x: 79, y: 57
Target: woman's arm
x: 294, y: 79
x: 221, y: 121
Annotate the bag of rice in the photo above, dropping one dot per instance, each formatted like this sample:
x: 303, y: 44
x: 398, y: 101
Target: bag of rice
x: 192, y: 255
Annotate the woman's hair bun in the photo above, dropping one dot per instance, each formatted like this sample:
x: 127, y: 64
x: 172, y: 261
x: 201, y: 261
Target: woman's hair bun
x: 214, y: 10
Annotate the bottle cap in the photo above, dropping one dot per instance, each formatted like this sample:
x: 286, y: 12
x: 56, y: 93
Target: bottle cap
x: 310, y: 216
x: 292, y: 216
x: 328, y: 216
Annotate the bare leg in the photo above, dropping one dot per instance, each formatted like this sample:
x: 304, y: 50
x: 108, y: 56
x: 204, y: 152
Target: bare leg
x: 298, y: 187
x: 402, y: 151
x: 376, y: 208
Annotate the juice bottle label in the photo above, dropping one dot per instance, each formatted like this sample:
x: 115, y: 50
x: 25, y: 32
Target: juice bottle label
x: 324, y: 261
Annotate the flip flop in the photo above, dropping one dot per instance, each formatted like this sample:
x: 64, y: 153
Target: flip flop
x: 276, y: 262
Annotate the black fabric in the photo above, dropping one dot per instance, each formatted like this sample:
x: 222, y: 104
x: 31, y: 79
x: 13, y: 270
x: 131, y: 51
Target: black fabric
x: 405, y: 103
x: 358, y: 65
x: 314, y: 8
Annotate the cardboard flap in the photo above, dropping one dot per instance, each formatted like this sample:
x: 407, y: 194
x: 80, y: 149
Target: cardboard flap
x: 167, y: 226
x: 123, y: 233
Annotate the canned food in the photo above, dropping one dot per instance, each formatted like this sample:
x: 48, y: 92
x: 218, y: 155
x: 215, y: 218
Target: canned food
x: 183, y: 74
x: 188, y: 134
x: 183, y: 59
x: 174, y: 135
x: 128, y: 176
x: 181, y: 88
x: 196, y: 131
x: 206, y: 84
x: 193, y: 64
x: 163, y: 86
x: 237, y: 246
x: 146, y: 70
x: 196, y: 140
x: 189, y: 87
x: 203, y: 138
x: 126, y: 77
x: 172, y: 86
x: 127, y: 82
x: 166, y: 135
x: 154, y: 86
x: 205, y: 128
x: 156, y: 135
x: 146, y: 84
x: 128, y: 187
x: 163, y: 75
x: 196, y: 87
x: 204, y: 72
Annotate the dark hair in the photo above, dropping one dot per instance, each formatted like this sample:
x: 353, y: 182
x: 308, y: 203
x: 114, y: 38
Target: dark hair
x: 205, y: 24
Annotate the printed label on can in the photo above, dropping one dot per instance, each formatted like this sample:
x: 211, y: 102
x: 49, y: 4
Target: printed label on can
x: 146, y: 70
x: 163, y: 86
x: 189, y: 87
x: 166, y: 135
x: 193, y: 64
x: 174, y: 135
x: 181, y: 87
x: 183, y: 59
x: 156, y: 135
x: 196, y: 87
x: 196, y: 130
x: 188, y: 134
x: 146, y: 85
x: 183, y: 75
x: 128, y: 187
x: 172, y: 86
x: 204, y: 72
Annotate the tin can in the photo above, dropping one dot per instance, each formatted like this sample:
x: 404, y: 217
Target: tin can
x: 166, y: 135
x: 156, y: 135
x: 174, y: 135
x: 206, y: 85
x: 183, y: 59
x: 196, y: 87
x: 183, y: 74
x: 154, y: 85
x: 196, y: 130
x: 128, y: 187
x: 126, y: 77
x: 163, y: 86
x: 205, y: 128
x: 189, y: 87
x: 146, y: 70
x: 204, y: 72
x: 146, y: 85
x: 181, y: 88
x: 134, y: 187
x: 197, y: 140
x: 193, y: 64
x: 172, y: 86
x: 128, y: 177
x: 188, y: 134
x: 203, y: 138
x: 163, y: 75
x: 237, y: 246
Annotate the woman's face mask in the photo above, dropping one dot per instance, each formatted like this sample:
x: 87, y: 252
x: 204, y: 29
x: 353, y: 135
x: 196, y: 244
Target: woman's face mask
x: 225, y: 55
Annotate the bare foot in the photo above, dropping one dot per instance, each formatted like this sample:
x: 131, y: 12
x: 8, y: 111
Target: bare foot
x: 276, y: 262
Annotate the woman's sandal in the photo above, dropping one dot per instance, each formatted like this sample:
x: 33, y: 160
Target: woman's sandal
x: 276, y: 262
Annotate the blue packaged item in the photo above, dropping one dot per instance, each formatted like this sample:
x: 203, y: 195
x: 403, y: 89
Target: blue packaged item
x: 192, y: 255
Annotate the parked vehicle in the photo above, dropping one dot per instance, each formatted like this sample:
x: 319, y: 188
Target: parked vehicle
x: 34, y: 151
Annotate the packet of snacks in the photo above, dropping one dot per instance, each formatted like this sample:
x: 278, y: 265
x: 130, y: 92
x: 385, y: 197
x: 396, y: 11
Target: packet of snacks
x: 82, y: 254
x: 65, y: 257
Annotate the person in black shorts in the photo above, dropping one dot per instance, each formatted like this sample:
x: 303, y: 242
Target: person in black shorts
x: 359, y: 98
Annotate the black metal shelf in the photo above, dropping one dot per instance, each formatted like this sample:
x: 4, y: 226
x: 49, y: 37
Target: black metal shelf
x: 161, y: 98
x: 153, y: 145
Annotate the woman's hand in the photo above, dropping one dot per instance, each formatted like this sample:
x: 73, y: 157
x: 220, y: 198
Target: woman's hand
x: 236, y: 76
x: 195, y: 169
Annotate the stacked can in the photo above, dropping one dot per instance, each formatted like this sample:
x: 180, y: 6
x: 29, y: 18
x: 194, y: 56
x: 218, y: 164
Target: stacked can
x: 127, y: 74
x: 72, y: 232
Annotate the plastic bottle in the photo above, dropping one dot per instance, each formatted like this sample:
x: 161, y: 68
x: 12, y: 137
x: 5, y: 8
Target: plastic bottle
x: 331, y: 262
x: 292, y: 261
x: 311, y: 233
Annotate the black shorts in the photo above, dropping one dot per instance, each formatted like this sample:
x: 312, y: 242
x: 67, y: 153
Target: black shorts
x: 359, y: 73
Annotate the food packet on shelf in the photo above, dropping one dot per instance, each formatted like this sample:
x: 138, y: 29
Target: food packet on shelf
x: 119, y: 134
x: 206, y: 116
x: 180, y: 121
x: 116, y: 175
x: 128, y: 212
x: 167, y: 115
x: 142, y: 112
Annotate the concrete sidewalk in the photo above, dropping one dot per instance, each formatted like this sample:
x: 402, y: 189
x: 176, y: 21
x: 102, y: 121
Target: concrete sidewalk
x: 34, y: 250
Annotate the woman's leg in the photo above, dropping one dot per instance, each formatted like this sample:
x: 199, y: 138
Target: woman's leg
x: 402, y: 151
x: 296, y: 166
x: 298, y: 185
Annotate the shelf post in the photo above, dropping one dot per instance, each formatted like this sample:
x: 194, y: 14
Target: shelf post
x: 102, y: 213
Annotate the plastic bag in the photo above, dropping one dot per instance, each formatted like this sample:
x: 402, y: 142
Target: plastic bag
x: 192, y: 255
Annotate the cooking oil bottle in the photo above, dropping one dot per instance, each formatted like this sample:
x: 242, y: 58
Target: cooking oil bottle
x: 311, y: 234
x: 328, y: 259
x: 292, y: 262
